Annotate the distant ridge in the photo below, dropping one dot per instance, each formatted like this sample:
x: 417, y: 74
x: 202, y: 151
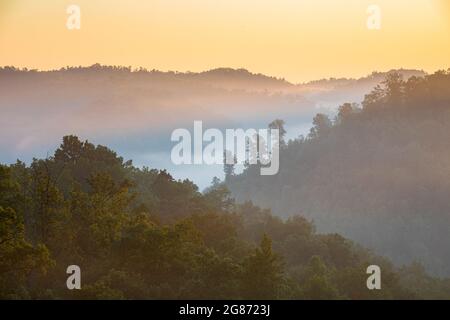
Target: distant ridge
x: 378, y: 76
x: 239, y: 74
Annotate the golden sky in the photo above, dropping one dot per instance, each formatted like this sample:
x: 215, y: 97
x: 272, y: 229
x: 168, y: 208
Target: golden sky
x: 299, y: 40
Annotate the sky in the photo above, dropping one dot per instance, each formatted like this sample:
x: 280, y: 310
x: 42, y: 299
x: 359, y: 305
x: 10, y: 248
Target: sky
x: 299, y: 40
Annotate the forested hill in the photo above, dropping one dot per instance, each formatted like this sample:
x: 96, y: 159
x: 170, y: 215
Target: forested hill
x: 135, y: 111
x: 139, y: 234
x: 379, y: 173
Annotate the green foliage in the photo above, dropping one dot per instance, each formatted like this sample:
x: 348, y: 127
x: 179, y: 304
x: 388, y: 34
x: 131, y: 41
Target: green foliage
x: 263, y: 273
x: 140, y: 234
x: 317, y: 283
x: 18, y: 258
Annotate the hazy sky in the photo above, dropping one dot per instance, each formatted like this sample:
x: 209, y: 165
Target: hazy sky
x: 299, y: 40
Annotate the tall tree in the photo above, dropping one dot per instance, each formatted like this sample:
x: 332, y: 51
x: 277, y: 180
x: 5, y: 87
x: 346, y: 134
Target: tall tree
x: 263, y: 272
x: 279, y: 125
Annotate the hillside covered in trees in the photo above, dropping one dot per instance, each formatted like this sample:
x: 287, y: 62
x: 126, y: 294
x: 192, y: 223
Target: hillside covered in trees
x: 133, y: 111
x: 139, y: 234
x: 378, y: 173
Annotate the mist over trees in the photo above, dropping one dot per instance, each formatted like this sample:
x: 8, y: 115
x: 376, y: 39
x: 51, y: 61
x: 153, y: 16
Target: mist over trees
x: 377, y: 173
x: 112, y: 103
x: 139, y: 234
x: 375, y: 176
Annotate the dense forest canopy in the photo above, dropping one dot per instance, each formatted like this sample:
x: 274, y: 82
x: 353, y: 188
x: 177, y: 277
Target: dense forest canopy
x: 377, y: 173
x: 138, y: 233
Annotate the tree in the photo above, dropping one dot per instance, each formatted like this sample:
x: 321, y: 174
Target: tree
x: 18, y: 258
x: 228, y: 164
x: 107, y: 209
x: 219, y: 198
x: 345, y: 111
x: 321, y: 126
x: 279, y: 125
x: 48, y: 203
x: 394, y: 89
x: 317, y: 283
x: 263, y: 272
x: 390, y: 94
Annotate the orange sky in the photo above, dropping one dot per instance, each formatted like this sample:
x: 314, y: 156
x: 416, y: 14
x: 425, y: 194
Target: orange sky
x: 299, y: 40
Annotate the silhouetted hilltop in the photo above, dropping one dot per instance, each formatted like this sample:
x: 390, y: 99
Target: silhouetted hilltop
x: 241, y: 79
x: 229, y: 77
